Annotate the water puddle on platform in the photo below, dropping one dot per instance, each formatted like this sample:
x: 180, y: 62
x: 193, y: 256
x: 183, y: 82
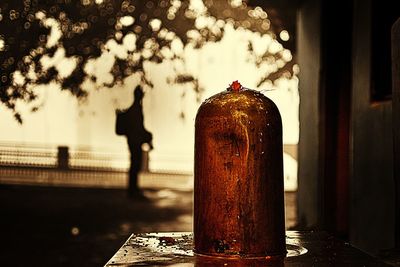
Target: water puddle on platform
x: 176, y: 249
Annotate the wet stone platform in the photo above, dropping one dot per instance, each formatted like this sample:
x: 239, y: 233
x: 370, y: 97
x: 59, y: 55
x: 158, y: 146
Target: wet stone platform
x: 176, y: 249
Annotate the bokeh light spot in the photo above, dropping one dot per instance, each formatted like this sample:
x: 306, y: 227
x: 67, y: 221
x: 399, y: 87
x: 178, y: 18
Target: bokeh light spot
x: 284, y: 35
x: 127, y: 20
x: 75, y: 231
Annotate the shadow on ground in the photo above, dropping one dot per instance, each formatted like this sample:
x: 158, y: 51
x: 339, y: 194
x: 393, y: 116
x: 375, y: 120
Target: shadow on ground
x: 55, y: 226
x: 49, y: 226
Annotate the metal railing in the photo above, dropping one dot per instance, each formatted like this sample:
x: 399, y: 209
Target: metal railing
x: 61, y: 157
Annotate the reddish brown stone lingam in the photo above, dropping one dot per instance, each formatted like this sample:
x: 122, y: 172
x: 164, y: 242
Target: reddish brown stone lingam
x: 238, y: 190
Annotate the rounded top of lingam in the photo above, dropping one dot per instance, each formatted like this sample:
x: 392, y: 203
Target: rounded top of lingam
x: 238, y: 99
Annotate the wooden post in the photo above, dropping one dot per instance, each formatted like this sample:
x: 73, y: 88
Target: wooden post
x: 396, y: 123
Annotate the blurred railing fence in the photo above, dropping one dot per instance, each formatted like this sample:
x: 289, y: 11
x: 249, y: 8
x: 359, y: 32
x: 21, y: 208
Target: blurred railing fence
x: 37, y: 164
x: 61, y: 157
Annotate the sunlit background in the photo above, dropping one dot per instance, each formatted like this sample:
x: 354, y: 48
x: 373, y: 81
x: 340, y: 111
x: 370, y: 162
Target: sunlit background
x: 177, y: 73
x: 87, y: 125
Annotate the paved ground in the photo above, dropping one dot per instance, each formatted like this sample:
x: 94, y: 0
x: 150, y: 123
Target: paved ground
x: 67, y: 226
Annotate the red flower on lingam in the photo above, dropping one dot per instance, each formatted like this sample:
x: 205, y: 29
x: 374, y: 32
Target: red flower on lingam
x: 235, y: 86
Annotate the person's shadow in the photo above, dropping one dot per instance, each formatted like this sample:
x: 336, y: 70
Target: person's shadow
x: 131, y: 124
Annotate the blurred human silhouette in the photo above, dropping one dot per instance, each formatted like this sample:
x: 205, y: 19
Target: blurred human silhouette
x: 131, y: 124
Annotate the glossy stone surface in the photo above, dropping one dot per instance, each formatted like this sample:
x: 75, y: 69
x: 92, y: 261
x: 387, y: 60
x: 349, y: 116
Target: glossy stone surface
x: 238, y: 176
x: 176, y: 249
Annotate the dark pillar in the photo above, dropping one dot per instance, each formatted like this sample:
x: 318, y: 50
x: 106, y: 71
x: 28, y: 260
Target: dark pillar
x: 308, y: 48
x: 396, y: 124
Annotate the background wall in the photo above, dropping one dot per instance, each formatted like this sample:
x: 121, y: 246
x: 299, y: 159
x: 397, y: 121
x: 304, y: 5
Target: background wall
x: 169, y: 109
